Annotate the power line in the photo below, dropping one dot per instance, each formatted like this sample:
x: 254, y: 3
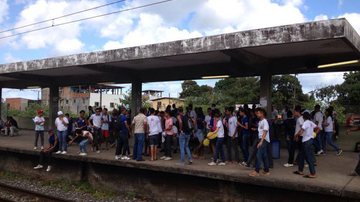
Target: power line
x: 63, y: 16
x: 88, y: 18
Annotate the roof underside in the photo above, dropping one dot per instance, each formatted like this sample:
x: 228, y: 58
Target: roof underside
x: 297, y: 48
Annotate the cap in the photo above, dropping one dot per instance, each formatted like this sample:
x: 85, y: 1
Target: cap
x: 305, y: 111
x: 40, y: 111
x: 60, y: 113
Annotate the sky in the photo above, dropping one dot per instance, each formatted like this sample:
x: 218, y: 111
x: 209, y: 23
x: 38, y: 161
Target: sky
x: 174, y: 20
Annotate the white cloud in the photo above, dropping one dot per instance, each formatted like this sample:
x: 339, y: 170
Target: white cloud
x: 9, y: 58
x: 354, y: 20
x: 310, y: 82
x: 321, y: 17
x: 112, y: 45
x: 4, y: 8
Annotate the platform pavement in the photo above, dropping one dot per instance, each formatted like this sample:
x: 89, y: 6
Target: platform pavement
x: 332, y: 170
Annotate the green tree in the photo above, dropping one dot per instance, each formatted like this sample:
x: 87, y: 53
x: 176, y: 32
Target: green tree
x: 326, y: 94
x: 349, y: 90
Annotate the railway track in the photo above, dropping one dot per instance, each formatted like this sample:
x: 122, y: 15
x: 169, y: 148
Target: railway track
x: 12, y: 193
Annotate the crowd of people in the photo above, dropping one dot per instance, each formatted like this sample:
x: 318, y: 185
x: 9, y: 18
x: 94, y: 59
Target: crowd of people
x: 242, y: 136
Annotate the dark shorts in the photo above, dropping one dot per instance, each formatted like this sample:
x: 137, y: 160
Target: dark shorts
x: 154, y: 140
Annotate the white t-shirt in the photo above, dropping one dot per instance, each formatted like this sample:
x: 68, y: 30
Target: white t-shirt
x: 207, y: 120
x: 154, y: 123
x: 41, y: 121
x: 96, y: 119
x: 308, y: 128
x: 330, y: 127
x: 220, y: 126
x: 232, y: 126
x: 319, y: 117
x: 105, y: 118
x: 299, y: 123
x: 60, y: 125
x: 264, y: 125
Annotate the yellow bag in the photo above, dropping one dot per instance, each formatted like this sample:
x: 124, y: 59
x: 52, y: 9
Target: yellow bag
x: 211, y: 135
x: 314, y: 134
x: 206, y: 142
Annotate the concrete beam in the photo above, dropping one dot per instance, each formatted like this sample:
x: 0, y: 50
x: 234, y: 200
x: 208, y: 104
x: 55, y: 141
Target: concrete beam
x: 53, y: 105
x: 136, y: 98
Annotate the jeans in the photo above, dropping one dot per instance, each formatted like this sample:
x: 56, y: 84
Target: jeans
x: 62, y: 140
x: 318, y: 143
x: 219, y: 149
x: 122, y: 144
x: 37, y: 134
x: 83, y: 145
x: 357, y: 169
x: 138, y: 146
x: 232, y: 145
x: 330, y: 142
x: 97, y: 138
x: 291, y: 146
x: 262, y: 157
x: 245, y: 146
x: 184, y: 147
x: 168, y: 144
x: 307, y: 154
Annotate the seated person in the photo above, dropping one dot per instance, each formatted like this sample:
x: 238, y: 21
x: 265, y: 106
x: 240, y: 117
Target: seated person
x: 45, y: 154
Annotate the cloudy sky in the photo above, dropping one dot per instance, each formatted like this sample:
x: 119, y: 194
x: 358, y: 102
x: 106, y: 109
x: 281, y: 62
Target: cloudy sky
x: 177, y: 19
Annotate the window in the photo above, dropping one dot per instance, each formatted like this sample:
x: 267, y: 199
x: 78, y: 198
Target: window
x: 112, y: 105
x: 159, y: 104
x: 74, y: 101
x: 97, y: 104
x: 67, y: 101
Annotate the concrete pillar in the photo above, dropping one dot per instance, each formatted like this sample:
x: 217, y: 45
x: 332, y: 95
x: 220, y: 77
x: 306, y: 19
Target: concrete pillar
x: 53, y: 105
x: 1, y: 103
x: 101, y: 93
x: 136, y: 102
x: 265, y: 92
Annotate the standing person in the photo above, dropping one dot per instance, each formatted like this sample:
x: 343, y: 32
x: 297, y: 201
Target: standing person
x: 307, y: 153
x: 290, y: 125
x: 45, y: 154
x: 199, y: 133
x: 232, y: 140
x: 105, y: 127
x: 81, y: 121
x: 139, y: 124
x: 154, y: 126
x: 318, y: 119
x: 96, y: 122
x: 329, y: 131
x: 263, y: 141
x: 91, y: 111
x: 219, y: 142
x: 169, y: 133
x: 39, y: 121
x: 245, y: 134
x: 122, y: 143
x: 184, y: 121
x: 83, y: 137
x: 70, y: 127
x: 61, y: 123
x: 254, y: 136
x: 114, y: 127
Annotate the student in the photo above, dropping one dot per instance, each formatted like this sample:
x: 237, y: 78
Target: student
x: 83, y: 137
x: 245, y: 134
x: 154, y: 127
x: 199, y: 133
x: 169, y: 133
x: 290, y: 125
x: 329, y: 131
x: 307, y: 130
x: 219, y: 142
x: 69, y: 126
x: 39, y: 121
x: 114, y: 127
x: 61, y: 123
x: 318, y: 119
x: 232, y: 140
x: 45, y: 154
x: 184, y: 121
x: 139, y: 124
x: 81, y: 122
x: 123, y: 142
x: 105, y: 127
x: 262, y: 144
x: 96, y: 122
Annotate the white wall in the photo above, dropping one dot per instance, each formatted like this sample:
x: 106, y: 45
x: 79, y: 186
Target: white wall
x: 106, y: 100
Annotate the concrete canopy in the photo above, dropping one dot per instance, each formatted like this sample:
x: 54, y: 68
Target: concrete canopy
x: 297, y: 48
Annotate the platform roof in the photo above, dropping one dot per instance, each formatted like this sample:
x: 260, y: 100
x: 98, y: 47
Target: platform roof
x: 296, y: 48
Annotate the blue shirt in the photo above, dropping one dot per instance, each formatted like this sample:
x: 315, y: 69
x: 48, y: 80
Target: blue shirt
x: 122, y: 122
x: 244, y: 121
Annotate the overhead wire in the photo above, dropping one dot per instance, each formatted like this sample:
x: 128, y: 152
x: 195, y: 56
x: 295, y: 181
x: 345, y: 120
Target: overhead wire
x: 83, y: 19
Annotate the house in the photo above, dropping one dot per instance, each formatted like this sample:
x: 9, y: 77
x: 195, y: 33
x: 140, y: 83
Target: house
x: 20, y: 104
x: 162, y: 102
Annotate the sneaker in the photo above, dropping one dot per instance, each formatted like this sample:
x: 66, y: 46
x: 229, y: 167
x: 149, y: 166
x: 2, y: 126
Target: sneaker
x: 163, y: 158
x: 212, y: 163
x: 35, y: 148
x: 244, y: 164
x: 190, y: 162
x: 221, y: 164
x: 319, y: 152
x: 117, y: 157
x: 98, y: 151
x: 339, y: 152
x: 58, y: 152
x: 168, y: 159
x: 64, y: 152
x: 126, y: 158
x: 42, y: 147
x: 83, y: 154
x: 38, y: 167
x: 265, y: 173
x: 48, y: 169
x: 288, y: 165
